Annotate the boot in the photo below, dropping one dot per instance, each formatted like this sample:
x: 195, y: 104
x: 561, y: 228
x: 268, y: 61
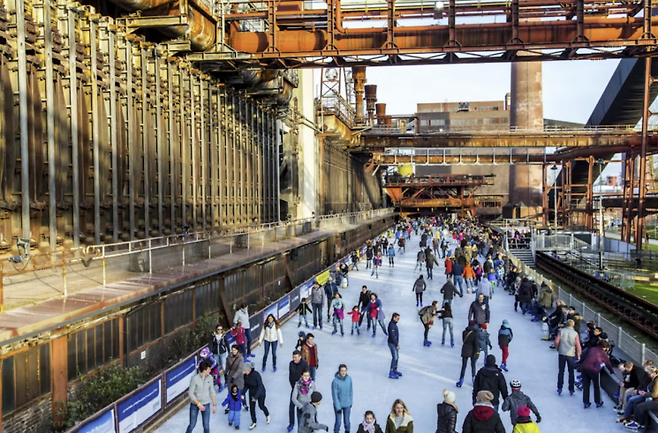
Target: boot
x: 373, y: 334
x: 358, y: 332
x: 443, y: 342
x: 397, y: 372
x: 299, y: 324
x: 460, y: 383
x: 503, y: 367
x: 335, y: 331
x: 307, y: 325
x: 452, y: 343
x: 392, y: 375
x: 352, y: 333
x: 429, y: 343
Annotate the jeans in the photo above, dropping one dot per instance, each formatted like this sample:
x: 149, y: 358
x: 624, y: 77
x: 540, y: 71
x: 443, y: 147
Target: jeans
x: 464, y: 361
x: 269, y: 344
x: 337, y: 321
x: 375, y: 271
x: 447, y: 324
x: 569, y: 362
x: 486, y: 299
x: 394, y: 356
x: 355, y: 327
x: 374, y: 326
x: 419, y: 265
x: 459, y: 280
x: 247, y: 333
x: 303, y: 317
x: 205, y: 418
x: 469, y: 283
x: 291, y: 409
x: 526, y: 307
x: 261, y: 405
x: 317, y: 314
x: 368, y: 263
x: 590, y: 377
x: 221, y: 359
x: 447, y: 301
x: 419, y: 297
x: 391, y: 260
x: 243, y: 350
x: 631, y: 403
x: 344, y: 413
x: 234, y: 417
x: 641, y: 415
x: 312, y: 370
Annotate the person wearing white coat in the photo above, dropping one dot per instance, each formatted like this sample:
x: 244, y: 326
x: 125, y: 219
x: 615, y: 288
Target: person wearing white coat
x: 271, y: 334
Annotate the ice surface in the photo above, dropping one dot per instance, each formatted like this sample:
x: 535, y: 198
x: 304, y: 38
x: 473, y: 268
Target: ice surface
x: 427, y: 370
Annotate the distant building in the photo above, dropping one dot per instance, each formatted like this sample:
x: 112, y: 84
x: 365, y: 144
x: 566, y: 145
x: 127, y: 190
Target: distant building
x: 456, y: 116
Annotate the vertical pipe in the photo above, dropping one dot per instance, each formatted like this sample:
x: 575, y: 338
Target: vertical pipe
x: 213, y: 156
x: 202, y: 140
x: 183, y: 145
x: 93, y: 23
x: 131, y: 137
x: 159, y: 141
x: 234, y: 178
x: 193, y: 145
x: 241, y: 155
x: 50, y: 126
x: 73, y: 83
x: 277, y: 180
x: 113, y: 136
x: 146, y: 140
x: 544, y: 195
x: 639, y: 232
x: 590, y: 193
x: 172, y: 160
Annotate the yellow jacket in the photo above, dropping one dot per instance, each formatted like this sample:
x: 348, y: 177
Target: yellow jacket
x: 528, y: 427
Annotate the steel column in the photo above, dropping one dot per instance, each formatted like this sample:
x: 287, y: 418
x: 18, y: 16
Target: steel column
x: 73, y: 113
x: 648, y: 80
x: 50, y: 125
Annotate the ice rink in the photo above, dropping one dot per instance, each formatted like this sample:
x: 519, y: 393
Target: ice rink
x: 427, y: 370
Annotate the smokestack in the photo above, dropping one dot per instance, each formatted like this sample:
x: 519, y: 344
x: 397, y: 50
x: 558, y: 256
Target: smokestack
x: 359, y: 77
x: 381, y: 113
x: 371, y: 99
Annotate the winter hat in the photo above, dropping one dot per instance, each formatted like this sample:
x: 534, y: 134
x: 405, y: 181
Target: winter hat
x: 523, y: 411
x: 248, y: 366
x: 491, y: 360
x: 316, y: 397
x: 301, y: 334
x: 484, y: 397
x: 449, y: 397
x: 483, y: 326
x: 505, y: 324
x: 330, y: 279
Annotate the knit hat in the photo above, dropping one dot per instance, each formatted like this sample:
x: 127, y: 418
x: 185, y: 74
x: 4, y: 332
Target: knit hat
x: 330, y: 279
x: 316, y: 397
x: 248, y: 366
x: 484, y: 397
x: 301, y: 334
x: 483, y: 326
x: 448, y: 396
x: 523, y: 411
x: 505, y: 324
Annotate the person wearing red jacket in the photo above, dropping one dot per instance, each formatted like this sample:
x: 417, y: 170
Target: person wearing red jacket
x: 448, y: 264
x: 591, y: 371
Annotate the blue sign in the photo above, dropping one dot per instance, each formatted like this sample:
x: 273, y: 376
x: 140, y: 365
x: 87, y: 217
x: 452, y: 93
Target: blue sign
x: 284, y: 306
x: 177, y: 379
x: 136, y: 409
x: 272, y: 309
x: 103, y: 422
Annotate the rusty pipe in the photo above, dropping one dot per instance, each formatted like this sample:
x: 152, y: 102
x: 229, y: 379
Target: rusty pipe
x: 380, y: 108
x: 371, y: 98
x: 140, y: 5
x: 359, y: 77
x: 200, y: 30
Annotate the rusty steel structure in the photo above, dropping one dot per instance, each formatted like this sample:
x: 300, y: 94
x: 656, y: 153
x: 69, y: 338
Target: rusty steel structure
x: 445, y: 192
x: 295, y: 34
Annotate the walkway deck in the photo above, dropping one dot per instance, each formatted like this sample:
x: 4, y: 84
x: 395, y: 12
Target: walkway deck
x: 427, y: 371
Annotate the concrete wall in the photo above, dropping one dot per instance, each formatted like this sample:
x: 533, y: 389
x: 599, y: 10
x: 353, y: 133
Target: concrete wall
x: 308, y: 146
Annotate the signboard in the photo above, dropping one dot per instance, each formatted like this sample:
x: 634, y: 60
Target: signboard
x: 322, y: 278
x: 136, y: 409
x: 178, y: 377
x: 284, y: 306
x: 305, y: 290
x: 272, y: 309
x: 257, y: 324
x: 295, y: 299
x: 102, y: 422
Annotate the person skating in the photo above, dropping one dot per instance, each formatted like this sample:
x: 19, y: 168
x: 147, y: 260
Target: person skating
x: 457, y: 272
x: 253, y: 383
x: 369, y: 424
x: 301, y: 393
x: 295, y: 369
x: 470, y: 351
x: 271, y: 335
x: 420, y: 259
x: 310, y: 354
x: 419, y: 287
x: 330, y: 290
x: 237, y: 332
x: 479, y: 311
x: 338, y: 308
x: 445, y: 314
x: 391, y: 255
x: 449, y: 290
x: 516, y: 400
x: 483, y: 418
x: 569, y: 351
x: 376, y: 264
x: 394, y: 346
x: 364, y: 302
x: 376, y: 313
x: 219, y: 347
x: 317, y: 301
x: 446, y: 420
x: 201, y: 393
x: 342, y: 396
x: 430, y: 261
x: 524, y: 422
x: 233, y: 372
x: 490, y: 378
x: 242, y: 317
x: 505, y: 336
x: 591, y: 371
x: 233, y: 401
x: 309, y: 417
x: 399, y: 420
x: 485, y: 340
x: 448, y: 265
x: 356, y: 316
x: 427, y: 315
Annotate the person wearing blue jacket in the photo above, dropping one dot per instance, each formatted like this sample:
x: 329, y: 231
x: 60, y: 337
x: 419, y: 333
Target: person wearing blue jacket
x: 394, y: 345
x: 234, y: 402
x: 341, y: 393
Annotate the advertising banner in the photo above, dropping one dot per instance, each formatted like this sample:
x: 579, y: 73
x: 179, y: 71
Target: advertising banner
x: 136, y: 409
x: 295, y: 298
x: 272, y: 309
x: 102, y: 422
x: 322, y: 278
x: 284, y: 306
x: 257, y: 324
x: 178, y: 377
x: 305, y: 289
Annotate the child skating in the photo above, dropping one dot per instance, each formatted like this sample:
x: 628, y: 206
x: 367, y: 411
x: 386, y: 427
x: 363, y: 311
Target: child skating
x: 505, y: 336
x: 376, y: 264
x: 234, y: 402
x: 339, y: 313
x: 302, y: 311
x: 356, y: 317
x: 485, y: 341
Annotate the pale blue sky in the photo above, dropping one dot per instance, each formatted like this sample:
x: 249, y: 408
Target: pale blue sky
x: 571, y: 88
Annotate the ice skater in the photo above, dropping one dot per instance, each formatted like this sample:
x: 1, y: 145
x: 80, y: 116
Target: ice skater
x: 234, y: 402
x: 356, y: 317
x: 394, y: 346
x: 376, y: 264
x: 427, y: 315
x: 485, y: 341
x: 418, y: 288
x: 271, y: 335
x: 391, y: 255
x: 302, y: 311
x: 201, y: 392
x: 338, y: 308
x: 376, y: 313
x: 445, y: 314
x: 253, y: 383
x: 341, y: 393
x: 470, y: 351
x: 505, y: 336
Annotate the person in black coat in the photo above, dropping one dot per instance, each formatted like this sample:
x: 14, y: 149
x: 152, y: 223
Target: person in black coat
x: 483, y: 418
x: 254, y: 384
x: 295, y: 369
x: 470, y: 350
x: 449, y: 291
x: 525, y: 295
x: 490, y: 378
x: 447, y: 413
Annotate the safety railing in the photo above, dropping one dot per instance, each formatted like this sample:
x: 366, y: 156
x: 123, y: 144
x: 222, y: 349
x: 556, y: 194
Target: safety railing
x: 491, y: 130
x: 635, y: 349
x: 42, y: 276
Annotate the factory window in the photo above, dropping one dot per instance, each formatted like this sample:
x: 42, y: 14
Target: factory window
x: 25, y: 377
x: 491, y: 121
x: 91, y: 348
x: 459, y: 122
x: 424, y: 122
x: 437, y: 122
x: 144, y: 326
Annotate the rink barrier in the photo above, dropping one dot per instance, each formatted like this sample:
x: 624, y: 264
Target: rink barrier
x: 150, y: 405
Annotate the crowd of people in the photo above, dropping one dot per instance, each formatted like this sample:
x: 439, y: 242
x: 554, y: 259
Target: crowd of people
x: 474, y: 264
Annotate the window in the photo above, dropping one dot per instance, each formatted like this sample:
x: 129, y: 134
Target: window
x: 144, y: 326
x: 207, y: 298
x: 437, y: 122
x: 93, y: 347
x: 178, y: 311
x: 25, y: 377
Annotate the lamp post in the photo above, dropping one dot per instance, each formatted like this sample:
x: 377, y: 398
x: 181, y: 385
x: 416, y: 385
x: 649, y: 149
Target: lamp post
x: 600, y: 163
x: 554, y: 168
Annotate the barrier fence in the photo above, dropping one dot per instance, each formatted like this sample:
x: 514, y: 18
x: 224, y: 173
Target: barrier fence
x: 169, y: 388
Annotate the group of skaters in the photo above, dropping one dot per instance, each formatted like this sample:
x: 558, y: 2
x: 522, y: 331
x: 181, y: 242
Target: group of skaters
x: 470, y: 254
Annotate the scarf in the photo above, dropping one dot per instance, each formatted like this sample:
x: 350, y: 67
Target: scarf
x: 368, y: 428
x: 269, y: 325
x: 304, y: 388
